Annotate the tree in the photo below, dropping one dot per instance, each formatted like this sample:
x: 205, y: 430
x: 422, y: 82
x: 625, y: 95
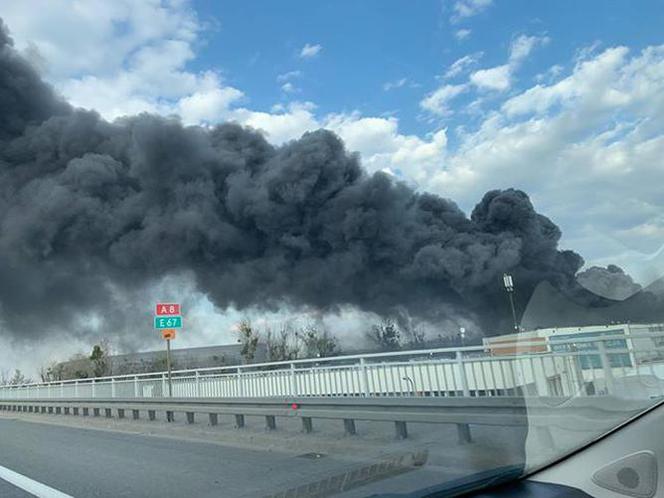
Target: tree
x: 249, y: 340
x: 282, y: 346
x: 385, y: 335
x: 100, y: 360
x: 18, y: 379
x: 51, y: 372
x: 317, y: 343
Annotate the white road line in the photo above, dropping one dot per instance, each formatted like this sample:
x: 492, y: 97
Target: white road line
x: 30, y: 485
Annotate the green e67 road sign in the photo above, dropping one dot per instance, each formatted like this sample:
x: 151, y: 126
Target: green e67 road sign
x: 167, y: 322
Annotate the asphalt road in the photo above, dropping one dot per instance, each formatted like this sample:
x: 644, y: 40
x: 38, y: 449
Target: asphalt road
x: 108, y: 461
x: 9, y: 491
x: 92, y: 463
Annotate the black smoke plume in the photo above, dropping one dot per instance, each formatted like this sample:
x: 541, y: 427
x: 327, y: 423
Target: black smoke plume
x: 91, y: 209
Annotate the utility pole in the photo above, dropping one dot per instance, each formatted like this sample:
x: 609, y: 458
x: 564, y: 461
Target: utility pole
x: 509, y: 287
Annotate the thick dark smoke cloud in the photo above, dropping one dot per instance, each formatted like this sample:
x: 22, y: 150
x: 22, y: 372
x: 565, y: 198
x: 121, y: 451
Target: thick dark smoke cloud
x: 611, y: 282
x: 90, y: 210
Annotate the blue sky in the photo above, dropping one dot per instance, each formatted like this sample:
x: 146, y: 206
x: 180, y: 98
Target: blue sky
x: 369, y: 43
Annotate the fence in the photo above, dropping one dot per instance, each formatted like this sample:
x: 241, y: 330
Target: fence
x: 583, y: 366
x: 585, y: 415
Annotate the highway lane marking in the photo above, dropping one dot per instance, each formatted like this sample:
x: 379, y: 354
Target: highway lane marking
x: 30, y: 485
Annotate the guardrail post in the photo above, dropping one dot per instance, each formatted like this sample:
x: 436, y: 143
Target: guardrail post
x: 364, y: 379
x: 112, y: 388
x: 463, y: 430
x: 401, y: 430
x: 135, y: 386
x: 198, y: 384
x: 606, y: 367
x: 462, y: 374
x: 239, y: 421
x: 349, y: 427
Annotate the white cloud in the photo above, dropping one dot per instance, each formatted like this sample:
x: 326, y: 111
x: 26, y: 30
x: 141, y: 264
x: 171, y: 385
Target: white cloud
x: 130, y: 56
x: 588, y: 148
x: 499, y: 78
x: 459, y: 66
x: 382, y: 147
x: 288, y: 87
x: 467, y: 8
x: 280, y: 126
x: 310, y: 51
x: 290, y: 75
x: 496, y: 78
x: 437, y: 101
x: 391, y: 85
x: 462, y: 34
x: 550, y: 74
x: 523, y: 46
x: 207, y: 105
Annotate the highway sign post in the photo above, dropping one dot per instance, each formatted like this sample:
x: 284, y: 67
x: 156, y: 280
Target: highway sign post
x: 167, y: 319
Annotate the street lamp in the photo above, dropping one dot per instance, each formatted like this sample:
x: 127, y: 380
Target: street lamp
x: 509, y: 287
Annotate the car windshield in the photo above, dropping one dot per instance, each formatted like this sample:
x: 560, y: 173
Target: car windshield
x: 324, y: 248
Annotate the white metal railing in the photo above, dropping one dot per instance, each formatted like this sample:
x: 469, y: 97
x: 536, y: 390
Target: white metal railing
x: 588, y: 366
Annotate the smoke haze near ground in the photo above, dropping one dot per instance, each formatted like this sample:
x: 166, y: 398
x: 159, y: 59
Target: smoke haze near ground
x: 92, y: 213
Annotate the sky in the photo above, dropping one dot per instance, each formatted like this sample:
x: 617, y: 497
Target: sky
x: 564, y: 100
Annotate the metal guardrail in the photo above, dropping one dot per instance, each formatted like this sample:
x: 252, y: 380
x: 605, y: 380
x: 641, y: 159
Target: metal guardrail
x: 568, y: 367
x: 545, y: 413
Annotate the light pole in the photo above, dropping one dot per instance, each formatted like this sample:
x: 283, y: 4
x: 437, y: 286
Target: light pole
x: 509, y: 287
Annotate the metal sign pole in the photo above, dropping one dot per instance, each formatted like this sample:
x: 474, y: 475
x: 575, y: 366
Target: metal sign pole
x: 168, y: 365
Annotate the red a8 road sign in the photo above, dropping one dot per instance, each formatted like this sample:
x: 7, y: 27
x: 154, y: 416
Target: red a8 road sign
x: 162, y: 309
